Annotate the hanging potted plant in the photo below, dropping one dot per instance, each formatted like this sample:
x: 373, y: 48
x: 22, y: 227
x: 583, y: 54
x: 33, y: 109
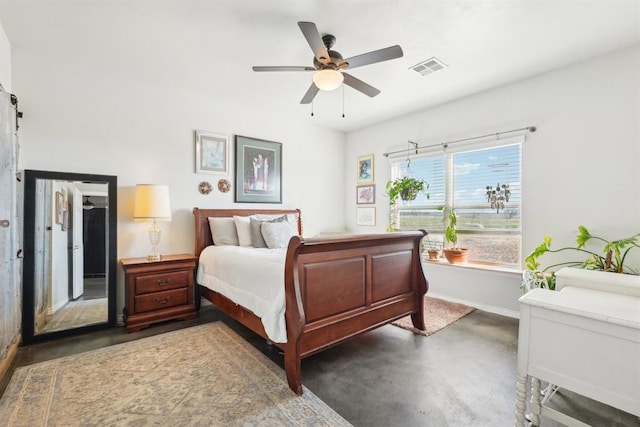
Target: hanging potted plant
x: 453, y: 254
x: 405, y: 189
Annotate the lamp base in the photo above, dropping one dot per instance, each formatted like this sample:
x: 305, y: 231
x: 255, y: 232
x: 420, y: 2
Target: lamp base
x: 154, y: 237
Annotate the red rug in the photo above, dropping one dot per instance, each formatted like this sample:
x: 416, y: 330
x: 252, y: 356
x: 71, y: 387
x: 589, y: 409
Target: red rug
x: 438, y: 313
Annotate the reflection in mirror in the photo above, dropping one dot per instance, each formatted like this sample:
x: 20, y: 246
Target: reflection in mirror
x: 69, y: 282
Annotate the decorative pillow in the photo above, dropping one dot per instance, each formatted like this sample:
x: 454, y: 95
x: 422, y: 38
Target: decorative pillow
x: 277, y: 234
x: 223, y: 231
x: 292, y: 218
x: 256, y: 233
x: 243, y: 228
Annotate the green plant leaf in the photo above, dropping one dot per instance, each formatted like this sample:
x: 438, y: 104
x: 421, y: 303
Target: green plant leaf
x: 583, y: 236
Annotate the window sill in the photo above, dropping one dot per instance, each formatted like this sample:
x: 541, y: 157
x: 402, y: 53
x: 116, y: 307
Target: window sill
x: 474, y: 266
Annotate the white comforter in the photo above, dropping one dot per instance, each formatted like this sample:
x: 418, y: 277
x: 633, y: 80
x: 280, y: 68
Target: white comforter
x: 250, y: 277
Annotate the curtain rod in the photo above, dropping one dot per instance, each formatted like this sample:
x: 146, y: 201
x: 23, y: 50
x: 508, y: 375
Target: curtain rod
x: 416, y: 148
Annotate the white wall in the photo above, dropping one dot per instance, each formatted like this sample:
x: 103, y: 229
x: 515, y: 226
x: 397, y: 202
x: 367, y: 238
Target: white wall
x: 59, y: 254
x: 5, y: 60
x: 78, y: 119
x: 580, y: 167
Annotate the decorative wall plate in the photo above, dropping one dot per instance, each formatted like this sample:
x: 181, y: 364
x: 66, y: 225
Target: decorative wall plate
x: 224, y: 185
x: 204, y: 187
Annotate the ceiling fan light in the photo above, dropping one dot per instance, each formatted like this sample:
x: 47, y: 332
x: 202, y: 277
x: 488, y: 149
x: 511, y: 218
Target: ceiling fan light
x: 328, y: 79
x: 87, y: 204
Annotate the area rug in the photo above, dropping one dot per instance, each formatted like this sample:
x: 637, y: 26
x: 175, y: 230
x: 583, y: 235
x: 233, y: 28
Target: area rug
x: 438, y: 313
x: 201, y: 376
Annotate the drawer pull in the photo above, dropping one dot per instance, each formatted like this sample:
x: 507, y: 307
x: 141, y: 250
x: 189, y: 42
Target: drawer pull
x: 162, y: 282
x: 162, y: 300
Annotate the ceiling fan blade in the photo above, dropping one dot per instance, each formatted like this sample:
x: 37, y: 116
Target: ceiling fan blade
x: 310, y: 32
x: 359, y: 85
x: 372, y: 57
x: 276, y: 68
x: 311, y: 93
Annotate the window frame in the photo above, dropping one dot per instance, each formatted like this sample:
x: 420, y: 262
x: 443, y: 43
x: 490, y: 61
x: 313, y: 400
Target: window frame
x: 448, y: 154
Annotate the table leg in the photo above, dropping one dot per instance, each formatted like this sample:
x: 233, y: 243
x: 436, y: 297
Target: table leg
x: 535, y: 402
x: 521, y: 396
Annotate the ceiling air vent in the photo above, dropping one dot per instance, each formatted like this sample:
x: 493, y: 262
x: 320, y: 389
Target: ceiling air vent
x: 429, y: 66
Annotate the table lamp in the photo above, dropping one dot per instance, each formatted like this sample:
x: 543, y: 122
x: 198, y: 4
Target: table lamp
x: 152, y: 204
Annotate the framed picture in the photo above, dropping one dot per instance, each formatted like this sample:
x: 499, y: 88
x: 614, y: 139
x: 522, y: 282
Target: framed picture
x: 59, y: 207
x: 366, y: 216
x: 366, y: 194
x: 365, y: 169
x: 258, y: 170
x: 212, y: 153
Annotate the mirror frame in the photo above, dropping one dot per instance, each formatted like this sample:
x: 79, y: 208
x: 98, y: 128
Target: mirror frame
x: 28, y: 292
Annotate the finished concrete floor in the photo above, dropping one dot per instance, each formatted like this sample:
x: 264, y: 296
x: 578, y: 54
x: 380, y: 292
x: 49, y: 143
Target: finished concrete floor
x: 463, y: 375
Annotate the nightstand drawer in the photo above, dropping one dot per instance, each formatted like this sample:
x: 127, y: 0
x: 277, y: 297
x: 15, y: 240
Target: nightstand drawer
x: 162, y: 282
x: 161, y: 300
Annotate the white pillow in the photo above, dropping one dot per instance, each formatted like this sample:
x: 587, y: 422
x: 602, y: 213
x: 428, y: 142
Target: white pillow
x: 277, y: 234
x: 243, y: 228
x: 223, y: 231
x: 257, y: 240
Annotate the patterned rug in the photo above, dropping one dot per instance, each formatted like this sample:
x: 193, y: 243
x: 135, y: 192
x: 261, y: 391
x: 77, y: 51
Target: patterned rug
x: 201, y: 376
x: 438, y: 313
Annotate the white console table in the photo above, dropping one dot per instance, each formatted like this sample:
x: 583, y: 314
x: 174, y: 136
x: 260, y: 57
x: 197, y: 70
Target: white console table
x: 584, y: 337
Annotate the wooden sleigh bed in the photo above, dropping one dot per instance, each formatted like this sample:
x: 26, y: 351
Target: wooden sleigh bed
x: 335, y: 288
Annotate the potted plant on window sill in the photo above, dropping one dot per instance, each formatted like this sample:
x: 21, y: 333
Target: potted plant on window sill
x: 611, y: 259
x: 405, y: 189
x: 434, y: 249
x: 453, y: 254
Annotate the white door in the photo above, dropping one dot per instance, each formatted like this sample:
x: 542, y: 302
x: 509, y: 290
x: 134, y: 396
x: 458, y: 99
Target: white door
x: 78, y: 245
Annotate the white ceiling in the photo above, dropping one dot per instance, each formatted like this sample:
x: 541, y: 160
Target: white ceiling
x: 209, y: 46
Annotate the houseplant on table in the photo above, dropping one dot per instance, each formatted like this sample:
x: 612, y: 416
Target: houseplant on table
x: 611, y: 258
x: 453, y: 254
x: 406, y: 189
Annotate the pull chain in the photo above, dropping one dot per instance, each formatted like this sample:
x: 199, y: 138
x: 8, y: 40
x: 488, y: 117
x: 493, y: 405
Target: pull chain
x: 343, y: 101
x: 311, y: 108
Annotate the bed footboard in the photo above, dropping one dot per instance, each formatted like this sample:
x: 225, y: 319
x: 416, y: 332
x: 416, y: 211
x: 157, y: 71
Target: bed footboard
x: 339, y: 288
x: 335, y: 288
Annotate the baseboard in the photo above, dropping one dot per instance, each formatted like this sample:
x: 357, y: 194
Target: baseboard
x: 484, y: 307
x: 5, y: 365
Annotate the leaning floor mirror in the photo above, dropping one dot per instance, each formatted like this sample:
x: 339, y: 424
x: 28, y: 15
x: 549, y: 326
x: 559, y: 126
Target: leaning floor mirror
x: 69, y: 274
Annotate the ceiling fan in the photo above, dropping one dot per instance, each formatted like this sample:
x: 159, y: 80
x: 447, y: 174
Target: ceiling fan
x: 329, y: 65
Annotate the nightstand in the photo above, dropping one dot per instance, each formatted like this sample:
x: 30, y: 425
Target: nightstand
x: 156, y: 291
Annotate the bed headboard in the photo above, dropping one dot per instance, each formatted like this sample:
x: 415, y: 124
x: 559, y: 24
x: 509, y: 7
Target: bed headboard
x: 203, y: 232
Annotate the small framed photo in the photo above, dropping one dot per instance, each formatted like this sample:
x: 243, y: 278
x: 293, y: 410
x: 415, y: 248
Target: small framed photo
x: 59, y: 207
x: 366, y: 216
x: 365, y: 169
x: 212, y: 153
x: 366, y: 194
x: 258, y: 170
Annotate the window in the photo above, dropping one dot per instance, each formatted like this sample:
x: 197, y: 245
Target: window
x: 459, y: 180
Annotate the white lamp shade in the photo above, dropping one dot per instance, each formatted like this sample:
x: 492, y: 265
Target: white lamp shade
x: 328, y: 79
x: 152, y: 203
